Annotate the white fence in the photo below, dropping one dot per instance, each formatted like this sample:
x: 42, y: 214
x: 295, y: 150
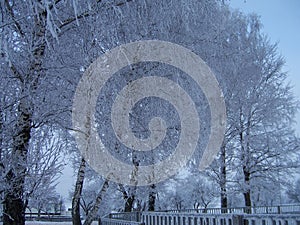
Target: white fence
x: 108, y: 221
x: 190, y: 219
x: 240, y: 210
x: 286, y: 219
x: 154, y: 218
x: 274, y: 215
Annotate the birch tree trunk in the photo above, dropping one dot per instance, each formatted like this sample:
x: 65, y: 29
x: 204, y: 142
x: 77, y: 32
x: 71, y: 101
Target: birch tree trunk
x: 14, y: 206
x: 77, y: 194
x: 93, y: 213
x: 14, y: 209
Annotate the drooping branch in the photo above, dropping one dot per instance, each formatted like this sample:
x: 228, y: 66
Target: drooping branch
x: 12, y: 15
x: 90, y: 12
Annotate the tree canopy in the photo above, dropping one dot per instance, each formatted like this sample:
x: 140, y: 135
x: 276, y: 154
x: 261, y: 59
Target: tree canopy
x: 47, y: 45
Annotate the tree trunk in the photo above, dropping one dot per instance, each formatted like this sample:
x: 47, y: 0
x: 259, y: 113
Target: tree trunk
x: 223, y: 178
x: 247, y: 193
x: 129, y: 204
x: 14, y: 213
x: 39, y: 213
x: 246, y: 160
x: 14, y: 207
x: 77, y: 194
x: 129, y: 200
x: 132, y: 190
x: 93, y: 213
x: 152, y: 198
x: 1, y: 139
x: 247, y: 198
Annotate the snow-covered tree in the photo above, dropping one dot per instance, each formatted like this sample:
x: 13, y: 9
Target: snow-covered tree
x: 265, y: 107
x: 45, y: 164
x: 47, y: 45
x: 46, y: 202
x: 293, y: 192
x: 29, y: 30
x: 191, y: 24
x: 260, y: 146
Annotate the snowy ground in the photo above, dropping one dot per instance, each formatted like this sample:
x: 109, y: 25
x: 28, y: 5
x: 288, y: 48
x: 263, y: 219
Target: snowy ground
x: 51, y: 223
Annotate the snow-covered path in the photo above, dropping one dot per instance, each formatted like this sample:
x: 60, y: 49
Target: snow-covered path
x: 50, y: 223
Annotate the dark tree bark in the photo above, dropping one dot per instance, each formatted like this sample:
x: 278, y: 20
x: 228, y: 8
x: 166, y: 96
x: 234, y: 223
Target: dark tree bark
x: 129, y: 204
x: 132, y: 190
x: 223, y: 178
x: 1, y: 139
x: 152, y: 198
x: 129, y: 200
x: 246, y: 161
x: 77, y: 194
x: 14, y: 206
x: 14, y: 213
x: 247, y: 193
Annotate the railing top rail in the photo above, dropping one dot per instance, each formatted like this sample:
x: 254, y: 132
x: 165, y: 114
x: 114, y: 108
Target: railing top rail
x: 286, y: 210
x: 123, y: 222
x: 223, y: 215
x: 139, y: 218
x: 254, y: 209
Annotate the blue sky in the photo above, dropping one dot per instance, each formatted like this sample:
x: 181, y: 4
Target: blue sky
x: 281, y: 22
